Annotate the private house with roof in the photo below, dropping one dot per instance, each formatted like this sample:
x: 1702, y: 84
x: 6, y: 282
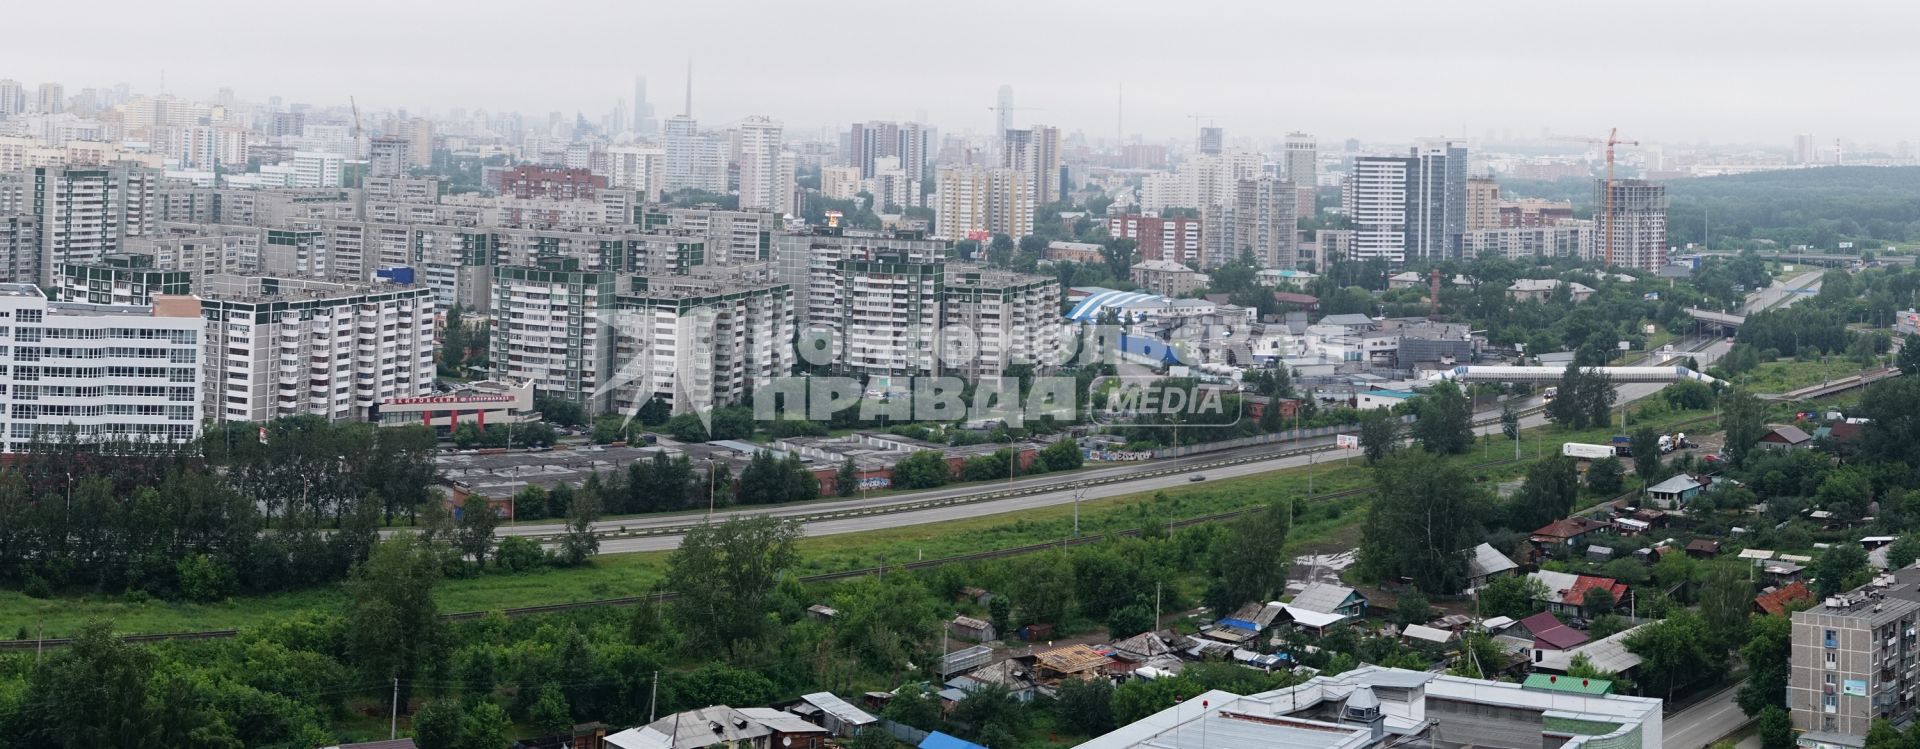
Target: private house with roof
x: 1328, y: 598
x: 1567, y: 593
x: 1486, y: 564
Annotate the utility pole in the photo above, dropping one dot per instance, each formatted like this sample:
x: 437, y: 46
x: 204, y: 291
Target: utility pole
x: 653, y: 696
x: 393, y: 716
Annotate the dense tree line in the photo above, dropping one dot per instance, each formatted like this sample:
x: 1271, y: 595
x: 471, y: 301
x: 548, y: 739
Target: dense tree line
x: 252, y: 508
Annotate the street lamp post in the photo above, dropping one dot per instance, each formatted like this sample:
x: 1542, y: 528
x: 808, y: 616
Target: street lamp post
x: 709, y: 490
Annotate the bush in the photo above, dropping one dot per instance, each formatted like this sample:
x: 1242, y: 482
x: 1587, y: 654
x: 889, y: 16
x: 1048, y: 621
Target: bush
x: 517, y: 554
x: 36, y: 586
x: 203, y: 578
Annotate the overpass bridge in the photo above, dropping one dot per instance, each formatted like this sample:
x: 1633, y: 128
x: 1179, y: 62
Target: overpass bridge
x: 1619, y: 375
x: 1722, y: 319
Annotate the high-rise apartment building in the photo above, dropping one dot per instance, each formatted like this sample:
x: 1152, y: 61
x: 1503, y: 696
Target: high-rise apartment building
x: 1805, y: 149
x: 19, y: 246
x: 389, y: 156
x: 1853, y: 661
x: 52, y: 99
x: 85, y: 212
x: 1631, y: 225
x: 419, y: 135
x: 1035, y: 151
x: 317, y: 169
x: 1004, y: 112
x: 1439, y: 201
x: 13, y: 98
x: 1408, y: 207
x: 1014, y: 318
x: 1212, y: 140
x: 974, y: 203
x: 1258, y: 219
x: 100, y: 372
x: 695, y: 160
x: 762, y: 186
x: 701, y: 341
x: 888, y: 308
x: 1303, y: 169
x: 730, y: 236
x: 810, y: 265
x: 840, y: 182
x: 1483, y: 203
x: 639, y: 168
x: 1377, y: 198
x: 280, y: 347
x: 549, y: 328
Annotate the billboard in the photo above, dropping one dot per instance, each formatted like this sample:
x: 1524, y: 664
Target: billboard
x: 1347, y: 441
x: 1854, y: 687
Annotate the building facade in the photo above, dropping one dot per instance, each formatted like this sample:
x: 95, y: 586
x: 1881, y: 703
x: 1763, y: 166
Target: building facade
x: 278, y: 347
x: 548, y: 329
x: 1853, y: 661
x: 100, y: 372
x: 1633, y: 232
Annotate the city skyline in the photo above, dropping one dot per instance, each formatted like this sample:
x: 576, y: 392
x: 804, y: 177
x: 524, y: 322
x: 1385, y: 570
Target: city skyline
x: 1233, y: 81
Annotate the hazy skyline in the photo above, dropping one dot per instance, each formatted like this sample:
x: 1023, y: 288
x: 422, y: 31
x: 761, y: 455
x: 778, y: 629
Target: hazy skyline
x: 1759, y: 72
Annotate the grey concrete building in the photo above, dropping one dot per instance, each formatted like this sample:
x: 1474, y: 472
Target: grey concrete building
x: 1853, y: 661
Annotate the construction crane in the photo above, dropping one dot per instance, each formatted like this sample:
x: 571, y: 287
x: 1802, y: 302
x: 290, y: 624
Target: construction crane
x: 1002, y: 112
x: 1612, y: 139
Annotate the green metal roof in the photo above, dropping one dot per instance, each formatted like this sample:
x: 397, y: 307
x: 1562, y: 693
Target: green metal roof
x: 1575, y: 685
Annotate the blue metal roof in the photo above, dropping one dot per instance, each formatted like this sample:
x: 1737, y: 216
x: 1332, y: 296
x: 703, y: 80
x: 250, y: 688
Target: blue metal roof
x: 1239, y: 624
x: 1090, y: 307
x: 938, y: 740
x: 1149, y: 347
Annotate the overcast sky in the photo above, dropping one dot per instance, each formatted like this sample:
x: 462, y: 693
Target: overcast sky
x: 1758, y: 71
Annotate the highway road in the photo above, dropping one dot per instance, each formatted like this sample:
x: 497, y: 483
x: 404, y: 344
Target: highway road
x: 1783, y: 293
x: 1705, y: 722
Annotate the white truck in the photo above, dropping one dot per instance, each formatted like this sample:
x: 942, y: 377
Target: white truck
x: 1585, y: 451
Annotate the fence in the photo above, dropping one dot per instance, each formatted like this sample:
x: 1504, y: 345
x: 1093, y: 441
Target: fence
x: 903, y: 733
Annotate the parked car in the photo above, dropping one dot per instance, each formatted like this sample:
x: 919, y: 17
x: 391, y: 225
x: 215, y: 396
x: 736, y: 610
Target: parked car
x: 1197, y: 477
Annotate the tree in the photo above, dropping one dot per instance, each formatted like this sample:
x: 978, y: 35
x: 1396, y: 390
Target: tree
x: 1128, y: 621
x: 1002, y: 613
x: 580, y: 543
x: 1776, y: 728
x: 1903, y: 552
x: 1725, y: 598
x: 1085, y: 706
x: 1425, y: 512
x: 1509, y: 422
x: 1745, y: 420
x: 1768, y: 645
x: 1512, y: 596
x: 1892, y: 431
x: 1597, y: 601
x: 1443, y: 421
x: 437, y: 725
x: 1674, y: 652
x: 1412, y: 608
x: 1882, y: 735
x: 1379, y: 433
x: 1646, y: 455
x: 1062, y: 455
x: 486, y: 726
x: 1551, y: 488
x: 395, y: 625
x: 924, y: 469
x: 1041, y: 586
x: 473, y: 531
x: 1603, y: 476
x: 723, y: 573
x: 1845, y: 493
x: 846, y: 481
x: 93, y: 693
x: 1840, y: 568
x: 1909, y: 361
x: 550, y: 714
x: 1251, y: 560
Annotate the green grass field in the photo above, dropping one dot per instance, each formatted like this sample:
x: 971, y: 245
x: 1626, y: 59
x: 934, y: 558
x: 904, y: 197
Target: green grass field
x: 1787, y: 374
x: 621, y: 575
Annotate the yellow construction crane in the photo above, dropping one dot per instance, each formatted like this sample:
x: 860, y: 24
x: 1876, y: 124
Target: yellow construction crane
x: 1612, y: 139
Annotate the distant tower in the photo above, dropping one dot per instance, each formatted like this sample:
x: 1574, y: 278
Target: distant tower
x: 643, y: 121
x: 688, y: 112
x: 1006, y: 111
x: 1212, y: 139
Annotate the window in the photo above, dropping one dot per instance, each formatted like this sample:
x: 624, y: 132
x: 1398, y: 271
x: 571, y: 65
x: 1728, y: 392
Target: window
x: 1832, y: 659
x: 1833, y: 639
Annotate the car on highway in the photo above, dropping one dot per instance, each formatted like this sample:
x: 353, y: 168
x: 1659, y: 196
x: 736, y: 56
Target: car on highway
x: 1197, y: 477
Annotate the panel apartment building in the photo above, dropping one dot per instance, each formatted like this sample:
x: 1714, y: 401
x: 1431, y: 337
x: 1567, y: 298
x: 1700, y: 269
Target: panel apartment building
x: 1015, y: 317
x: 98, y: 371
x: 701, y: 341
x: 280, y: 347
x: 1853, y: 661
